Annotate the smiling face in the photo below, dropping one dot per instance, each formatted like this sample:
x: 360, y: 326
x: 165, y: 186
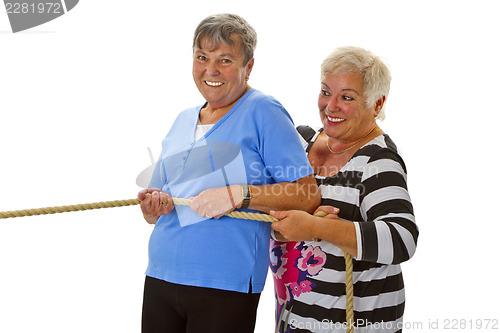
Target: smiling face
x: 343, y: 109
x: 220, y: 73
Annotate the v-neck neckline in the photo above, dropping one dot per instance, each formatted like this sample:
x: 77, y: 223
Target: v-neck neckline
x: 223, y: 119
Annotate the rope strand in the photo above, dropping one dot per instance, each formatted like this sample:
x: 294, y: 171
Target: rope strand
x: 122, y: 203
x: 66, y: 209
x: 349, y: 293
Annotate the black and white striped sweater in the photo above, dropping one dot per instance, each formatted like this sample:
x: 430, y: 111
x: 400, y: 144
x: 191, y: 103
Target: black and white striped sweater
x: 309, y: 277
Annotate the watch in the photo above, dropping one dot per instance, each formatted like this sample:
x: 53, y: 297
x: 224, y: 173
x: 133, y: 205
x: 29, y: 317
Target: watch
x: 246, y: 195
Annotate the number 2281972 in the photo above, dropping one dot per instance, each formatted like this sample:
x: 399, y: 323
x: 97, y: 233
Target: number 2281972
x: 471, y: 324
x: 32, y: 8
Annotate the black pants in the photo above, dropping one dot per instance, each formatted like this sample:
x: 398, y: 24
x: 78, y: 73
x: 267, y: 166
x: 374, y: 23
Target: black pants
x: 174, y: 308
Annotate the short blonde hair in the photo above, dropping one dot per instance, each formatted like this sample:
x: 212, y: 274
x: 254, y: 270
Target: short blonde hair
x: 376, y: 75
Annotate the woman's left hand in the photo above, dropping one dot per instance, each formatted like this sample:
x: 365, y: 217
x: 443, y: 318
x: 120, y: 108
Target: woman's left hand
x: 216, y: 202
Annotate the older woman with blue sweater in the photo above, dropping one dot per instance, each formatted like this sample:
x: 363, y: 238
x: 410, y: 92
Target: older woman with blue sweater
x: 238, y: 150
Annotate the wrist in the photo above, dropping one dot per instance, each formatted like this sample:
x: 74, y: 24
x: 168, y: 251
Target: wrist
x: 315, y: 230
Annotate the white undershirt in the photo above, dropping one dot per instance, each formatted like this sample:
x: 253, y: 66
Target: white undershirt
x: 201, y: 130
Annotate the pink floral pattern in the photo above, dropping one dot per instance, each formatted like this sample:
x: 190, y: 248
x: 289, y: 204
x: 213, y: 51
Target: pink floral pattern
x: 312, y: 260
x: 299, y: 288
x: 292, y: 264
x: 305, y: 286
x: 285, y: 272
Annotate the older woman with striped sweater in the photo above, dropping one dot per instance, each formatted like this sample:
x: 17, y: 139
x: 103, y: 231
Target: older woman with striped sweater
x: 362, y: 179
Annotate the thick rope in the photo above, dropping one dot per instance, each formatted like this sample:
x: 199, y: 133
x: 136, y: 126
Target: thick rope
x: 122, y: 203
x: 186, y: 202
x: 349, y: 293
x: 65, y: 209
x: 349, y: 287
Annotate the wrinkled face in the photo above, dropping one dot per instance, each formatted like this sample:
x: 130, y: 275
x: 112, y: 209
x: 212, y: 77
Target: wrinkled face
x: 342, y: 107
x: 219, y: 71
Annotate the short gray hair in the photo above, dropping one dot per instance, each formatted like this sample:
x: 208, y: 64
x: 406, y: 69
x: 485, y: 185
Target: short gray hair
x: 220, y: 27
x: 376, y: 75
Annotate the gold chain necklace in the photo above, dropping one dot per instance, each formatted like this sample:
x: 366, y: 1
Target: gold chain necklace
x: 354, y: 145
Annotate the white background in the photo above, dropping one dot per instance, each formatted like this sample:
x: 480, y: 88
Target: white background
x: 84, y: 96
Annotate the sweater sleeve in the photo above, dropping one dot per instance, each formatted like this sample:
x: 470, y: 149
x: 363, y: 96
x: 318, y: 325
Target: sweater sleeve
x: 388, y: 234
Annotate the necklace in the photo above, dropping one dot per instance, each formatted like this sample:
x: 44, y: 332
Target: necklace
x: 354, y: 145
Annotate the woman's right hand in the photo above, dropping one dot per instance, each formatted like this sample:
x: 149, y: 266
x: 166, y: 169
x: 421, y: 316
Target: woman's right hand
x: 154, y: 203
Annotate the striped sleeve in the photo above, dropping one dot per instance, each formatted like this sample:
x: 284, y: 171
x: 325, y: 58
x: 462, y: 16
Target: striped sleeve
x: 389, y: 233
x: 307, y: 136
